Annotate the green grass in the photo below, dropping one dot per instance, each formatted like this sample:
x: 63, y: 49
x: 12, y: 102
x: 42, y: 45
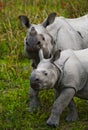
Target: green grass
x: 15, y: 69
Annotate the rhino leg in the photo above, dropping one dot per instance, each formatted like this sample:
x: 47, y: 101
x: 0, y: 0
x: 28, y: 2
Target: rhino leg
x: 33, y: 63
x: 56, y: 93
x: 34, y: 100
x: 59, y: 105
x: 72, y: 115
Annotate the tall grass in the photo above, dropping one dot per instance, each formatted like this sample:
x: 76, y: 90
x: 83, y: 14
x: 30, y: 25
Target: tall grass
x: 15, y: 68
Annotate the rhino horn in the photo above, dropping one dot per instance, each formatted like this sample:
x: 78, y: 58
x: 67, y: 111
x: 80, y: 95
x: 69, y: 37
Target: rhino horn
x: 33, y: 31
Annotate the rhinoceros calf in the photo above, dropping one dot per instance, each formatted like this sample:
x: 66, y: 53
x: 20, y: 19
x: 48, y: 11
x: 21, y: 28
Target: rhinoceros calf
x: 67, y: 72
x: 54, y: 33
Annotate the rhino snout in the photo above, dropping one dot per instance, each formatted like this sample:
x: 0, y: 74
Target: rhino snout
x: 33, y: 47
x: 35, y: 81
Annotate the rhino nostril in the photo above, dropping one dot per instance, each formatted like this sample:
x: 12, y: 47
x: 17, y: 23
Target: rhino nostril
x: 26, y: 43
x: 38, y: 43
x: 37, y: 79
x: 43, y: 39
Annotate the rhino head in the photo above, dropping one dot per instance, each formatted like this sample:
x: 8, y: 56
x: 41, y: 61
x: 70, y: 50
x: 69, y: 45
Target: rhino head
x: 46, y: 74
x: 37, y: 37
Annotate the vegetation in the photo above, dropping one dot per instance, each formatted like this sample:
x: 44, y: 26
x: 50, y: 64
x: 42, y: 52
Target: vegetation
x: 15, y: 69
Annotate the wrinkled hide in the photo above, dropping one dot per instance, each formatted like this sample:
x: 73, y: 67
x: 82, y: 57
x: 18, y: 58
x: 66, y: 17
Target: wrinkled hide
x: 53, y: 34
x: 73, y: 65
x: 69, y: 74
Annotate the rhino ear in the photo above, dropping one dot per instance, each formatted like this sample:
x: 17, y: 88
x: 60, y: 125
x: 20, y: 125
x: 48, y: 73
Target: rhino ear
x: 24, y: 21
x: 56, y: 55
x: 49, y: 20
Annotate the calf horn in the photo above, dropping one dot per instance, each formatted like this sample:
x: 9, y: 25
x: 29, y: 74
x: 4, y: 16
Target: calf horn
x: 41, y: 56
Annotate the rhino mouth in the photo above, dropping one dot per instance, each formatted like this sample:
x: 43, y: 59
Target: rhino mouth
x: 39, y: 86
x: 36, y: 85
x: 32, y: 49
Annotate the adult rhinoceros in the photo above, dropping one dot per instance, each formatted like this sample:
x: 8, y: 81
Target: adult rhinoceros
x: 67, y: 72
x: 54, y: 33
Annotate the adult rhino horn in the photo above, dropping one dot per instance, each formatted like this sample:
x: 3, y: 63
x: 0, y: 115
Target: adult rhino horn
x: 33, y: 31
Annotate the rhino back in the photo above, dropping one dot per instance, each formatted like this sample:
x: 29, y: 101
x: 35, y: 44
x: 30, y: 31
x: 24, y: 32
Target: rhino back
x: 81, y: 25
x: 74, y: 73
x: 69, y: 38
x: 82, y: 55
x: 65, y: 35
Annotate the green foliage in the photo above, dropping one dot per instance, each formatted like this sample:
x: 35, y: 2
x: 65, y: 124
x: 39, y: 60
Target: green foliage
x: 15, y: 68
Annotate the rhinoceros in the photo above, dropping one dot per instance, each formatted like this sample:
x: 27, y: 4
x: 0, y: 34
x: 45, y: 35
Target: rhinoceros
x: 53, y: 34
x: 67, y: 73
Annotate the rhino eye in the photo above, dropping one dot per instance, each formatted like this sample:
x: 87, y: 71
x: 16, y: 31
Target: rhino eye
x: 45, y: 73
x: 43, y: 39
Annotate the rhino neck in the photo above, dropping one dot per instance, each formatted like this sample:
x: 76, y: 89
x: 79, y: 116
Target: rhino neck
x: 59, y: 72
x: 60, y: 63
x: 53, y: 28
x: 49, y: 51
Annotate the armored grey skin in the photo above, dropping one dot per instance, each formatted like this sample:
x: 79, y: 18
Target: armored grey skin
x: 53, y: 34
x: 67, y: 72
